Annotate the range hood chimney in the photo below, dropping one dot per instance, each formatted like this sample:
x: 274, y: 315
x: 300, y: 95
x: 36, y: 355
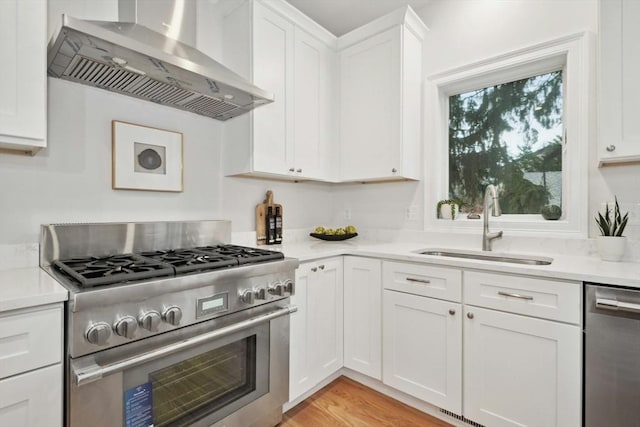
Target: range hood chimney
x: 130, y: 59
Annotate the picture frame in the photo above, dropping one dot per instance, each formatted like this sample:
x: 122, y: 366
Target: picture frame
x: 146, y: 158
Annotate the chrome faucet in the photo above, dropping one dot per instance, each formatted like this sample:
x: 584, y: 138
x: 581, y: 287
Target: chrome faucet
x: 490, y: 200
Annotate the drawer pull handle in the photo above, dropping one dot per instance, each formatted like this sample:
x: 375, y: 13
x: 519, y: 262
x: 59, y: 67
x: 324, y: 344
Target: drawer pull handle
x: 314, y: 269
x: 452, y: 311
x: 411, y: 279
x: 470, y: 315
x: 321, y: 266
x: 507, y: 294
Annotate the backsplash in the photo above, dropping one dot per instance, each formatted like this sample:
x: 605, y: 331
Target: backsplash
x: 18, y: 256
x: 509, y: 244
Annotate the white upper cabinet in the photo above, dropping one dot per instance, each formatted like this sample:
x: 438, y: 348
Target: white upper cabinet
x: 346, y: 109
x: 380, y: 99
x: 273, y: 70
x: 314, y: 117
x: 619, y: 136
x: 274, y: 46
x: 23, y: 86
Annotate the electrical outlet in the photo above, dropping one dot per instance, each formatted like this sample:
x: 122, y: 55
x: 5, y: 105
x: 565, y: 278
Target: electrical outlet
x: 347, y: 213
x: 411, y: 213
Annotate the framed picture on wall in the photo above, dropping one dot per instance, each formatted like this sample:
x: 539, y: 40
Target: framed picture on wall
x: 146, y: 158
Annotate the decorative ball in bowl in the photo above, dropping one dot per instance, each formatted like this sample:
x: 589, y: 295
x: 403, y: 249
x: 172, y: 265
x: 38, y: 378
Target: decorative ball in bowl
x: 337, y: 234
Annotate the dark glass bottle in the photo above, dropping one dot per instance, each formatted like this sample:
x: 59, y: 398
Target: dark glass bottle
x: 278, y: 218
x: 270, y: 226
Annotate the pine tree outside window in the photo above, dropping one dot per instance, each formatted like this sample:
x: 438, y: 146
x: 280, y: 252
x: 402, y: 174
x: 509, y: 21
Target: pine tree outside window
x: 509, y: 135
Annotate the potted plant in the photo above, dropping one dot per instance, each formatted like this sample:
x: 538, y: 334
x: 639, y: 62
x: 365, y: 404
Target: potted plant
x: 611, y: 243
x: 447, y: 209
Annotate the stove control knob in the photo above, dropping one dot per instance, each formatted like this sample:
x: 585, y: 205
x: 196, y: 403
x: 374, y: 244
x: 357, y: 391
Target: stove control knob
x: 261, y: 293
x: 99, y: 333
x: 150, y: 321
x: 277, y: 289
x: 248, y: 297
x: 172, y: 315
x: 289, y: 287
x: 125, y: 326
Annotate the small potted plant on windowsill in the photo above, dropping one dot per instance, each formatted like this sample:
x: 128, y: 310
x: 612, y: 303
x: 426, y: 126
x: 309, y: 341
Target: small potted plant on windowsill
x: 611, y: 243
x: 447, y: 209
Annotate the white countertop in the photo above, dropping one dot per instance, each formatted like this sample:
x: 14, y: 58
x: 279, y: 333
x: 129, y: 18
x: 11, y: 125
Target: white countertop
x: 564, y: 267
x: 31, y: 286
x: 28, y: 287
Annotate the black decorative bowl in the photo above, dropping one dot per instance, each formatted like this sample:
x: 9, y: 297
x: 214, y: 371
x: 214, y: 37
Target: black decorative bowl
x: 333, y: 237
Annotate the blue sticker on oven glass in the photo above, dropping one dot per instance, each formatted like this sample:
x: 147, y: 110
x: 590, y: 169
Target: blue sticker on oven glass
x: 138, y: 406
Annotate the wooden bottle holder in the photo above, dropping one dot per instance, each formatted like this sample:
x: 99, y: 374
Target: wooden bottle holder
x: 261, y: 217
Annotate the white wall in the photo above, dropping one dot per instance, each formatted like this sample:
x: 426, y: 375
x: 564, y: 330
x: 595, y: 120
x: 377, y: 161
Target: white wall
x: 463, y: 32
x: 70, y: 181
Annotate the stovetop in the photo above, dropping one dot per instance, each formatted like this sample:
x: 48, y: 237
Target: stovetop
x: 89, y: 272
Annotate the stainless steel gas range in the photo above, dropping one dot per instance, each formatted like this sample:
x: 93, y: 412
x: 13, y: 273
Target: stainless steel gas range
x: 169, y: 325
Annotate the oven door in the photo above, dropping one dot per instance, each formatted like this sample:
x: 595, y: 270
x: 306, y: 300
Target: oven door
x: 235, y: 374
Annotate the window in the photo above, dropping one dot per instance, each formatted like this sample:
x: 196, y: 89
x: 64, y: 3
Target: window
x: 519, y: 121
x: 509, y: 135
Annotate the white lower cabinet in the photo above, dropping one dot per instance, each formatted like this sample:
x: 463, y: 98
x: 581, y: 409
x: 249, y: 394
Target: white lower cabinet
x: 502, y: 350
x: 498, y: 356
x: 422, y: 350
x: 520, y: 371
x: 30, y: 367
x: 33, y: 399
x: 316, y: 347
x: 363, y: 315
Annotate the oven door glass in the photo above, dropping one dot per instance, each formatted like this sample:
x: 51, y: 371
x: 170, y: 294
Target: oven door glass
x: 206, y: 383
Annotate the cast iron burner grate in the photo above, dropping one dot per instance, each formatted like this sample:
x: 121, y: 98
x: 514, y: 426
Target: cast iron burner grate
x: 89, y: 272
x: 108, y: 270
x: 190, y: 260
x: 243, y: 254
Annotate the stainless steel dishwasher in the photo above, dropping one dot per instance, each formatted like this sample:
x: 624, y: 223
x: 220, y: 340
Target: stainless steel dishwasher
x: 612, y: 357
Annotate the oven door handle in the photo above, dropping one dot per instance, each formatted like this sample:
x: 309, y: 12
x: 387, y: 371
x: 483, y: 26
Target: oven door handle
x: 94, y: 372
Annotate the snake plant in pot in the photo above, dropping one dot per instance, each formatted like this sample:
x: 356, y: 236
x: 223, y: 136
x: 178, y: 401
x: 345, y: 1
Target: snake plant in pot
x: 611, y: 242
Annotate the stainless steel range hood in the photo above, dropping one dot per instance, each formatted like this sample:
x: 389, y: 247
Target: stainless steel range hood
x: 133, y: 60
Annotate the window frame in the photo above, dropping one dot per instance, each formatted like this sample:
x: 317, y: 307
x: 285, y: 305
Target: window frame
x: 572, y: 55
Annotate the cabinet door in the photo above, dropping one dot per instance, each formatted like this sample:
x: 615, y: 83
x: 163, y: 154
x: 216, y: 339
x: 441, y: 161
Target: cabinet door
x: 299, y: 368
x: 363, y: 315
x: 33, y: 399
x: 311, y: 93
x: 23, y: 86
x: 619, y: 84
x: 325, y: 318
x: 422, y: 348
x: 521, y: 371
x: 370, y: 107
x: 273, y: 52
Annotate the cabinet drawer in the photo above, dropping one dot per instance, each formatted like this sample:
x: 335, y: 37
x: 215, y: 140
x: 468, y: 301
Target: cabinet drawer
x: 548, y: 299
x: 30, y: 339
x: 425, y: 280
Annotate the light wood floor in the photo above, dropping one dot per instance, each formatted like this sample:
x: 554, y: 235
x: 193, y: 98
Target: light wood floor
x: 345, y: 402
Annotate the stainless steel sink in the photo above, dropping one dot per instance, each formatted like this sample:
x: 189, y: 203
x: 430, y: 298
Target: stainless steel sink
x: 519, y: 259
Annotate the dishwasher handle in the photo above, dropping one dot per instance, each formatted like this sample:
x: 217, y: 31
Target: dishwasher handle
x: 615, y: 305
